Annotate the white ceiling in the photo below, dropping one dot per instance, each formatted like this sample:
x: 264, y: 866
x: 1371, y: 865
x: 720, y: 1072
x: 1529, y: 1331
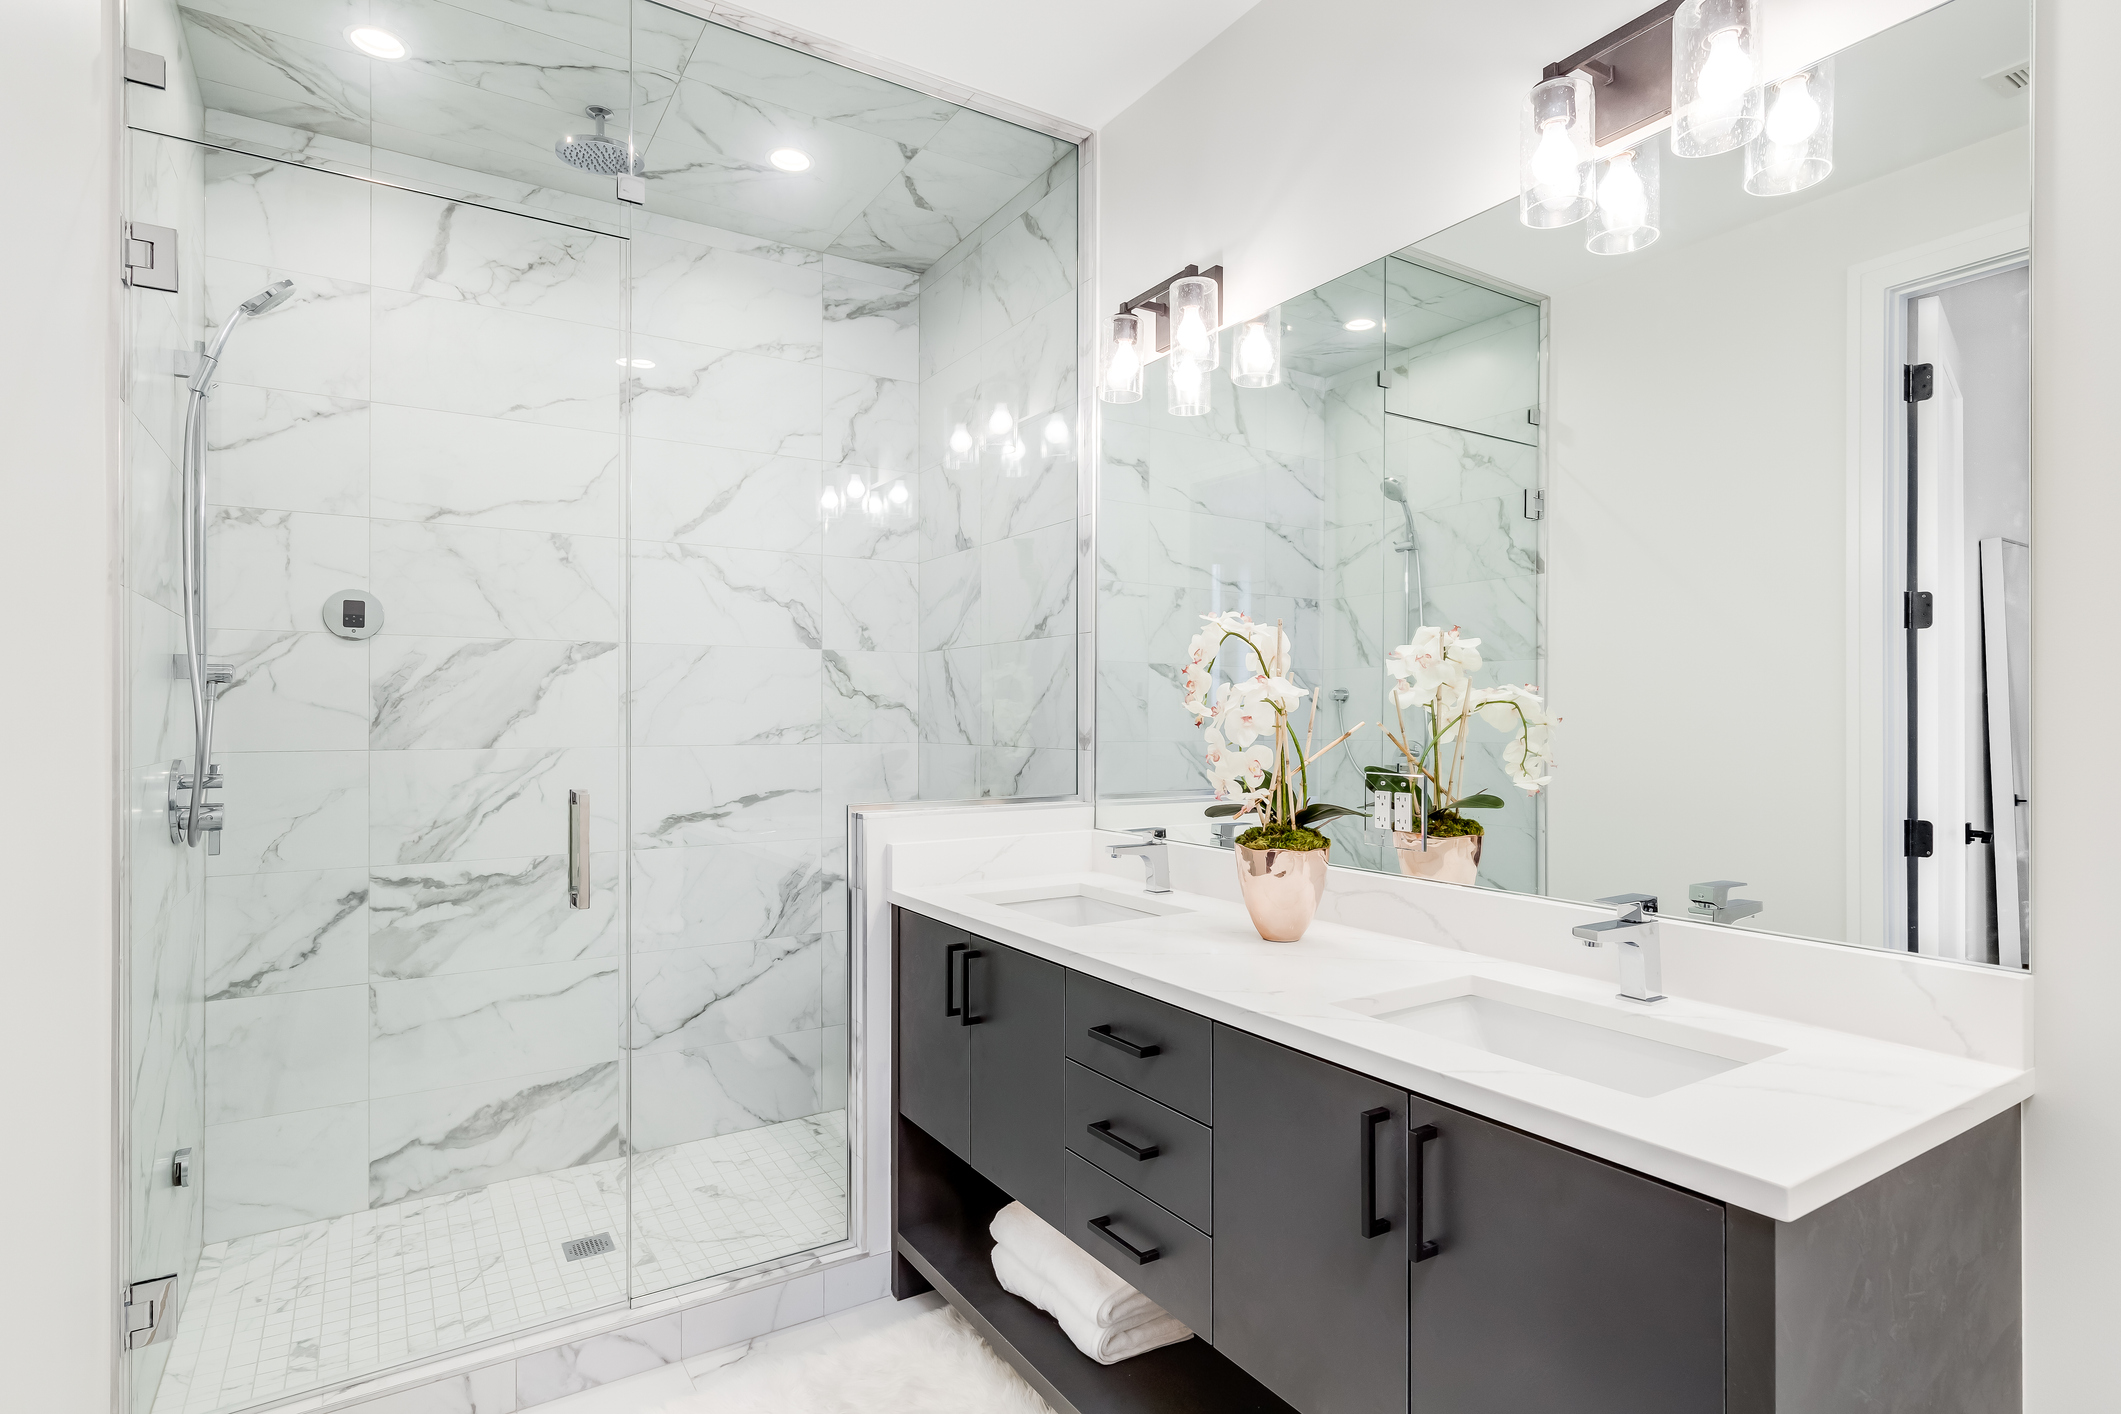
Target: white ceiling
x: 1085, y: 61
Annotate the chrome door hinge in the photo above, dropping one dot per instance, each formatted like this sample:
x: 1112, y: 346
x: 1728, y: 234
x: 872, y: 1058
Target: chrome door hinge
x: 147, y: 70
x: 150, y: 1312
x: 633, y: 190
x: 150, y: 257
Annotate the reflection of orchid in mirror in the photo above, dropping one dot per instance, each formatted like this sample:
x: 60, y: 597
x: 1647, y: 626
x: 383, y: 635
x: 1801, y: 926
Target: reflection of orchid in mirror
x: 1435, y: 672
x: 1251, y: 735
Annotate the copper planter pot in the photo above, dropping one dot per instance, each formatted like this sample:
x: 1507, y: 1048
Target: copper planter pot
x: 1281, y: 889
x: 1452, y: 860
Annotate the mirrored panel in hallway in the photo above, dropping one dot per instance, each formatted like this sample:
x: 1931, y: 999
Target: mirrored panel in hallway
x: 569, y: 565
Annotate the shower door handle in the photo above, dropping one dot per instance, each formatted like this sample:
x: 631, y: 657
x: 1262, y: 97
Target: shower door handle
x: 578, y: 849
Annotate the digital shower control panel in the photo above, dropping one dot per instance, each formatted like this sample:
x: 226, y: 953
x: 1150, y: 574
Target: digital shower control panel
x: 353, y: 613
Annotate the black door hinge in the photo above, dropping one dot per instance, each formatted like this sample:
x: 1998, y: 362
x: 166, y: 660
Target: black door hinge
x: 1917, y: 382
x: 1917, y: 839
x: 1918, y: 609
x: 1974, y: 836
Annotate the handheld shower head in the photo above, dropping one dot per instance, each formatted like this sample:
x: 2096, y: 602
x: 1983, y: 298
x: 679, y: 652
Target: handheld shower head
x: 269, y: 298
x: 264, y: 301
x: 1396, y: 490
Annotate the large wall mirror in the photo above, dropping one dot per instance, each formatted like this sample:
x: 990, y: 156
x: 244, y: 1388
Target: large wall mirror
x: 1769, y: 586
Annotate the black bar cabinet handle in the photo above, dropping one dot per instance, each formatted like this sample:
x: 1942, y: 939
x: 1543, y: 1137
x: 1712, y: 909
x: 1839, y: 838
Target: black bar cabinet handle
x: 1142, y: 1256
x: 964, y: 973
x: 1423, y: 1249
x: 950, y: 1006
x: 1372, y: 1225
x: 1103, y: 1130
x: 1104, y: 1033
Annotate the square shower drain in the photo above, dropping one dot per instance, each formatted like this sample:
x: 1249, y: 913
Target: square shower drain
x: 580, y: 1247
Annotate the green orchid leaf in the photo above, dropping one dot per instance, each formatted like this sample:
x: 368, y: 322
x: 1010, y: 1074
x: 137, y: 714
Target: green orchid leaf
x: 1313, y: 815
x: 1226, y: 809
x: 1483, y: 801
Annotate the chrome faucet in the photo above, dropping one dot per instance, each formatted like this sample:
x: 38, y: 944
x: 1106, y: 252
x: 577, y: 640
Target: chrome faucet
x: 1633, y: 929
x: 1713, y: 901
x: 1155, y: 851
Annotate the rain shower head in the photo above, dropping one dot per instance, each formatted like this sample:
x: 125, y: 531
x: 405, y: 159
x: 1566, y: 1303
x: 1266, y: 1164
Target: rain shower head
x: 604, y: 156
x: 269, y: 298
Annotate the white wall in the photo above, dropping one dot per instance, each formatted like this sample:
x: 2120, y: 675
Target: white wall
x: 58, y: 426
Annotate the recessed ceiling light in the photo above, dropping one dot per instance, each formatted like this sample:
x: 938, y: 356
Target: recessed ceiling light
x: 635, y: 362
x: 789, y: 159
x: 380, y: 43
x: 1356, y: 326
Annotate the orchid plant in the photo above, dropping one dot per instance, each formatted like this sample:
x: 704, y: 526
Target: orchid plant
x: 1435, y: 673
x: 1253, y: 752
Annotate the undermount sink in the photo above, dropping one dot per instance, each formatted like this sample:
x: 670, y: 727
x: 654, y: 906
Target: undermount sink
x: 1635, y: 1054
x: 1082, y: 905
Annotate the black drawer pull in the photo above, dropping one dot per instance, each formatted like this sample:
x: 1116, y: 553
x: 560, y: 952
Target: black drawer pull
x: 1104, y: 1033
x: 1423, y: 1249
x: 1142, y: 1256
x: 1103, y: 1130
x: 1372, y: 1225
x: 964, y: 972
x: 950, y: 1006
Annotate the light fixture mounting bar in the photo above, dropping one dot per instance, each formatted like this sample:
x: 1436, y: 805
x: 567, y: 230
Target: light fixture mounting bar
x: 1633, y: 70
x: 1154, y: 299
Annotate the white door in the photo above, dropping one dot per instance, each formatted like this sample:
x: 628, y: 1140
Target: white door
x: 1939, y: 691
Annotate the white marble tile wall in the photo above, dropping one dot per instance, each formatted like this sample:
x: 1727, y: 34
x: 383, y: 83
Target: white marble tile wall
x: 999, y: 470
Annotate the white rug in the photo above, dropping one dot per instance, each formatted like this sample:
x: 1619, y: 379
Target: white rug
x: 932, y: 1364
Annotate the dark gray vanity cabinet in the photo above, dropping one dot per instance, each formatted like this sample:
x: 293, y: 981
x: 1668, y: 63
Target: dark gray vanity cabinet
x: 1311, y: 1227
x: 1016, y: 1002
x: 934, y: 1037
x: 1557, y: 1282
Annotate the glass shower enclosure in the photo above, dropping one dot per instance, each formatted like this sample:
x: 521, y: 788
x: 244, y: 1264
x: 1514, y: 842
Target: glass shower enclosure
x: 585, y: 531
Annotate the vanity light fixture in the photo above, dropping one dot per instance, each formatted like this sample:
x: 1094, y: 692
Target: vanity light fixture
x: 1716, y: 78
x: 1255, y: 351
x: 1196, y: 316
x: 1554, y: 152
x: 1122, y: 380
x: 1624, y: 205
x: 376, y: 43
x: 1794, y: 148
x: 790, y: 159
x: 1191, y: 300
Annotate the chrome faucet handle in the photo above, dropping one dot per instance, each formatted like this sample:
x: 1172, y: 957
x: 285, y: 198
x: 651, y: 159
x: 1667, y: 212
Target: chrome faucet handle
x: 1713, y: 901
x: 1634, y: 933
x: 1154, y: 848
x: 1630, y: 907
x: 1716, y: 892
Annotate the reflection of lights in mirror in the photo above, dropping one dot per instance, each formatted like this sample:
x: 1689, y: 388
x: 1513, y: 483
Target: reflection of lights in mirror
x: 1358, y: 326
x: 1716, y: 76
x: 1122, y: 382
x: 635, y: 362
x: 1186, y: 385
x: 1554, y: 153
x: 790, y: 159
x: 1255, y: 355
x: 376, y: 43
x: 1000, y: 422
x: 1624, y: 217
x: 960, y: 445
x: 1795, y: 148
x: 1056, y: 433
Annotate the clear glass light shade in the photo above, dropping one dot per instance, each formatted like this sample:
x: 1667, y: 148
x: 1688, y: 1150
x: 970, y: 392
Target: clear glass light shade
x: 1255, y: 351
x: 1196, y: 315
x: 1554, y: 153
x: 1187, y: 384
x: 1122, y: 378
x: 1624, y: 205
x: 1795, y: 146
x: 1716, y: 98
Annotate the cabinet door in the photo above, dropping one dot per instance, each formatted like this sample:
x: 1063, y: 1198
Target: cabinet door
x: 934, y: 1044
x: 1017, y: 1001
x: 1310, y: 1228
x: 1559, y: 1283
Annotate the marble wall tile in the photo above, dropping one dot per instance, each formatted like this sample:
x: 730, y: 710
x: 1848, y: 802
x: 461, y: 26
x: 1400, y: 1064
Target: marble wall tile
x: 870, y: 421
x: 709, y: 295
x: 692, y: 696
x: 838, y: 999
x: 870, y: 697
x: 474, y: 582
x: 585, y: 1364
x: 1134, y: 767
x: 953, y: 710
x: 726, y: 894
x: 832, y: 1068
x: 1029, y: 263
x: 1006, y: 771
x: 917, y: 218
x: 288, y: 451
x: 463, y: 1028
x: 458, y: 251
x: 1147, y: 622
x: 715, y: 397
x: 154, y: 518
x: 695, y: 1093
x: 1031, y: 365
x: 453, y: 468
x: 1482, y: 539
x: 949, y: 772
x: 292, y: 810
x: 871, y: 328
x: 867, y: 775
x: 317, y: 342
x: 690, y: 998
x: 273, y: 569
x: 1040, y: 491
x: 284, y: 1170
x: 291, y: 692
x: 737, y: 598
x: 715, y: 496
x: 434, y: 919
x: 950, y: 308
x: 1028, y: 691
x: 862, y: 273
x: 288, y: 1051
x: 453, y: 356
x: 952, y: 615
x: 288, y: 217
x: 1502, y: 613
x: 465, y: 1136
x: 697, y: 795
x: 426, y: 693
x: 890, y: 533
x: 871, y: 606
x: 438, y: 805
x: 997, y: 144
x: 742, y: 63
x: 292, y: 932
x: 950, y: 510
x: 1027, y: 586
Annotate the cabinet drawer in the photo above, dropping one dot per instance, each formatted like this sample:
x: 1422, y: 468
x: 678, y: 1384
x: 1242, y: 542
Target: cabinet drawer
x: 1108, y: 1024
x: 1180, y: 1278
x: 1179, y: 1174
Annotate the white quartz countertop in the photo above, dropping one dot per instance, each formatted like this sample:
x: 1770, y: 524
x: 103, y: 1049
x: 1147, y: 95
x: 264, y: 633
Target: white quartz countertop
x: 1810, y: 1114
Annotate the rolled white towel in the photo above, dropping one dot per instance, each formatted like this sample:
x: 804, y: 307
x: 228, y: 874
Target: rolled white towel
x: 1076, y: 1278
x: 1107, y: 1345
